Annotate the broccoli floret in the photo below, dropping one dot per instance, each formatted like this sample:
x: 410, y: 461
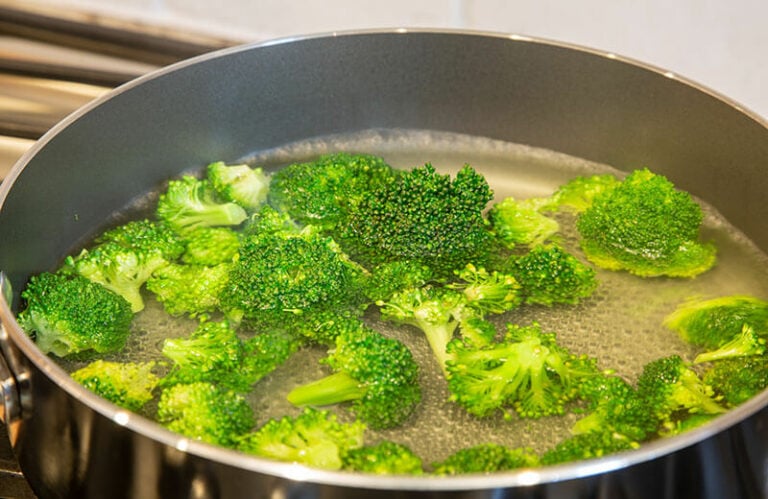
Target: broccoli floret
x: 189, y: 202
x: 577, y: 194
x: 436, y: 311
x: 475, y: 330
x: 314, y: 438
x: 589, y: 445
x: 526, y: 370
x: 746, y: 343
x: 214, y: 352
x: 146, y: 236
x: 239, y: 184
x: 384, y: 458
x: 487, y: 292
x: 189, y: 289
x: 686, y: 423
x: 277, y: 275
x: 739, y: 379
x: 322, y: 192
x: 669, y: 386
x: 377, y: 374
x: 270, y: 221
x: 424, y: 216
x: 647, y: 227
x: 127, y: 384
x: 210, y: 246
x: 68, y: 314
x: 203, y: 411
x: 548, y: 275
x: 520, y: 222
x: 388, y: 278
x: 486, y: 458
x: 714, y: 322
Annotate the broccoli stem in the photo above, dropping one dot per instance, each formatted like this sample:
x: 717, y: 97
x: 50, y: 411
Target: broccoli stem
x: 332, y: 389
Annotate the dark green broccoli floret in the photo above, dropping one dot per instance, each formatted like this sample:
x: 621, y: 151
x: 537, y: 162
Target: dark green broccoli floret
x: 520, y: 222
x: 669, y: 386
x: 68, y: 314
x: 146, y: 236
x: 526, y: 370
x: 424, y: 216
x: 739, y: 379
x: 486, y: 458
x: 210, y: 246
x: 388, y: 278
x: 203, y: 411
x: 321, y: 192
x: 685, y: 423
x: 746, y: 343
x: 548, y: 275
x: 239, y: 184
x: 314, y: 438
x: 577, y: 194
x: 127, y: 384
x: 214, y: 352
x: 384, y: 458
x: 487, y: 292
x: 589, y: 445
x: 189, y: 202
x: 712, y: 323
x: 189, y: 289
x: 646, y: 227
x: 377, y: 374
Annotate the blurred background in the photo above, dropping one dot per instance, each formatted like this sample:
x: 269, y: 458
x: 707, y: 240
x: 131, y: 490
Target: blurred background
x: 82, y: 48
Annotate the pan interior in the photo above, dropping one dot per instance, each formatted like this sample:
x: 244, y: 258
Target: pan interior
x: 620, y: 324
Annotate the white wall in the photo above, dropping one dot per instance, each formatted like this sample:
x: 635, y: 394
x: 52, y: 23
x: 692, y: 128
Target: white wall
x: 722, y: 45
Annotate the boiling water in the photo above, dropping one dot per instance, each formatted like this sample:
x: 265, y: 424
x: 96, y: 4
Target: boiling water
x: 620, y: 324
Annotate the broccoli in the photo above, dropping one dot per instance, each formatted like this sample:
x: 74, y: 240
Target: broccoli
x: 210, y: 246
x: 520, y: 222
x: 669, y: 386
x: 526, y: 370
x: 388, y: 278
x: 577, y: 194
x: 189, y: 202
x: 384, y: 458
x: 239, y: 184
x: 69, y: 314
x: 486, y: 458
x: 314, y: 438
x: 127, y: 384
x: 189, y: 289
x: 425, y: 216
x: 203, y: 411
x: 746, y: 343
x: 714, y: 322
x: 487, y: 292
x: 323, y: 191
x: 738, y: 379
x: 548, y: 275
x: 590, y: 445
x: 377, y: 374
x: 475, y: 330
x: 647, y: 227
x: 214, y: 353
x: 268, y: 220
x: 146, y: 236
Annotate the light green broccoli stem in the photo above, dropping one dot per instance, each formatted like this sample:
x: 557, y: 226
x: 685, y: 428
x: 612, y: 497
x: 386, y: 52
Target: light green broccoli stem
x: 332, y: 389
x: 744, y: 344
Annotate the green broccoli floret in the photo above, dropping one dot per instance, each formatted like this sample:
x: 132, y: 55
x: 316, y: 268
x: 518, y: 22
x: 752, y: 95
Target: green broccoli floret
x: 487, y: 292
x: 239, y: 184
x: 268, y: 220
x: 215, y: 353
x: 714, y: 322
x: 321, y: 192
x: 127, y: 384
x: 189, y: 202
x: 486, y: 458
x: 69, y: 314
x: 548, y: 275
x: 203, y: 411
x: 210, y: 246
x: 313, y: 438
x: 526, y: 370
x: 146, y: 236
x: 384, y: 458
x: 277, y: 275
x: 423, y: 216
x: 189, y: 289
x: 377, y: 374
x: 589, y: 445
x: 475, y: 330
x: 739, y: 379
x: 520, y: 222
x: 577, y: 194
x: 388, y: 278
x: 746, y: 343
x: 685, y: 423
x: 646, y: 227
x: 669, y: 386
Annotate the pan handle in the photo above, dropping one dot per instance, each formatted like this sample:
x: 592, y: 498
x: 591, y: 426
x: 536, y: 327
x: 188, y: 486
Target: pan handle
x: 14, y: 372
